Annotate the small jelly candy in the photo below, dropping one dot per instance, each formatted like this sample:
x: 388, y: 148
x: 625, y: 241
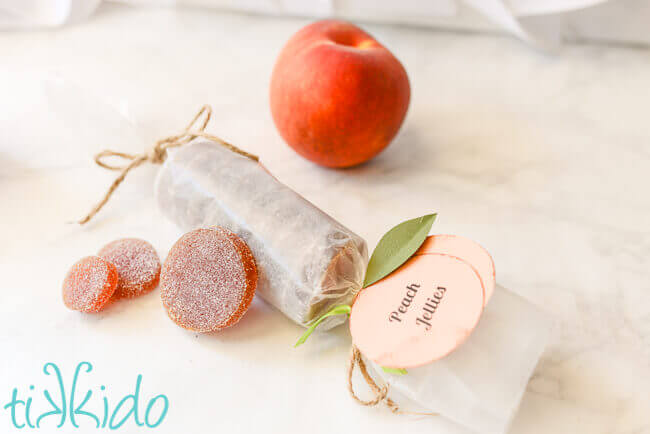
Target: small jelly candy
x: 89, y: 284
x: 137, y: 263
x: 208, y: 280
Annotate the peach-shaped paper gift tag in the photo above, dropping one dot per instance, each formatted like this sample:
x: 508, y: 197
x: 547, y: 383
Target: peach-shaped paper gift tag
x: 467, y: 250
x: 419, y: 313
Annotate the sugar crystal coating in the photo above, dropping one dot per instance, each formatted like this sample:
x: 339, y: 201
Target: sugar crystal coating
x: 208, y: 280
x: 137, y: 263
x: 89, y: 284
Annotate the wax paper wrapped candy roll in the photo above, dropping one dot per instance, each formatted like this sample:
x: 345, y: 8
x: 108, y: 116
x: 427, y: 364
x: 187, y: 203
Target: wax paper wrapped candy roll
x: 480, y: 384
x: 307, y: 261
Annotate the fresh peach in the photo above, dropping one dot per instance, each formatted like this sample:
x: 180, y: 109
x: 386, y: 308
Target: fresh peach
x: 338, y: 97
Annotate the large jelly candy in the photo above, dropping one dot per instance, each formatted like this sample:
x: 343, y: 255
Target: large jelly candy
x: 208, y: 280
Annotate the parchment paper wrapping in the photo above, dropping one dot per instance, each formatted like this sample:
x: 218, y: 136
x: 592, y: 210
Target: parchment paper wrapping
x: 480, y: 384
x: 307, y: 262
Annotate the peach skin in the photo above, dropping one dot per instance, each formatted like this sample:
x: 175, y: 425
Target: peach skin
x: 338, y: 97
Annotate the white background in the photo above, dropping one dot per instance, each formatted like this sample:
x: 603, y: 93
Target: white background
x: 542, y: 159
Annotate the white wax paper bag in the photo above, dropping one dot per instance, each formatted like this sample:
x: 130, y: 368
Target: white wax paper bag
x: 307, y: 262
x: 480, y: 384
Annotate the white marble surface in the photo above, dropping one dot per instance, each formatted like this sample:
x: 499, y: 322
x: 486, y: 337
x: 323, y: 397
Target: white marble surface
x: 544, y: 160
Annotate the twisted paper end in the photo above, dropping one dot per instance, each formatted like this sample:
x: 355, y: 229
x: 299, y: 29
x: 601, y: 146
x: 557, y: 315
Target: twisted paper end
x: 157, y: 155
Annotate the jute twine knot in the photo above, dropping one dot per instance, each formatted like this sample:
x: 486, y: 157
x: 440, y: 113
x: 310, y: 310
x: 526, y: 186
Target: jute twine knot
x: 380, y: 393
x: 157, y: 154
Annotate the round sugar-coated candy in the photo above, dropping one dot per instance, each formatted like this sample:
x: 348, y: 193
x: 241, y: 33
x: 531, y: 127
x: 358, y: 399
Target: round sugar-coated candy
x: 208, y: 280
x: 89, y: 284
x: 137, y: 263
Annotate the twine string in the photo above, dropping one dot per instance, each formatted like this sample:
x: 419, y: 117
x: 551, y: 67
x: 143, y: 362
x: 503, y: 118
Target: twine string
x: 380, y: 393
x: 157, y: 154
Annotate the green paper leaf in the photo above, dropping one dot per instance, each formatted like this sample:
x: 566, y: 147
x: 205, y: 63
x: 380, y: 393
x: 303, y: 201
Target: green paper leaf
x: 396, y: 247
x: 342, y: 309
x: 396, y: 371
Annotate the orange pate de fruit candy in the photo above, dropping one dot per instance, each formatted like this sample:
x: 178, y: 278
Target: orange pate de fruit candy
x: 208, y: 280
x: 89, y: 284
x: 137, y: 263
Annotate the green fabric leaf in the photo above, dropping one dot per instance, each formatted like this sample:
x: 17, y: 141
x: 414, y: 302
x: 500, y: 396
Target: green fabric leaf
x: 396, y: 371
x: 343, y: 309
x: 396, y: 247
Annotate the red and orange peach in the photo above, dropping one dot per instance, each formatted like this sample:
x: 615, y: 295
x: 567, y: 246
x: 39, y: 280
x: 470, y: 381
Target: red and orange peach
x: 338, y: 97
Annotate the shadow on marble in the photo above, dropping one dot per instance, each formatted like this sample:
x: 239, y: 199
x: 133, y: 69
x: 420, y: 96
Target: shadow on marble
x: 403, y: 154
x: 258, y: 322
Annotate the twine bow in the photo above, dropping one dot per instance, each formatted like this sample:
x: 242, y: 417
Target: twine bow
x: 157, y: 154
